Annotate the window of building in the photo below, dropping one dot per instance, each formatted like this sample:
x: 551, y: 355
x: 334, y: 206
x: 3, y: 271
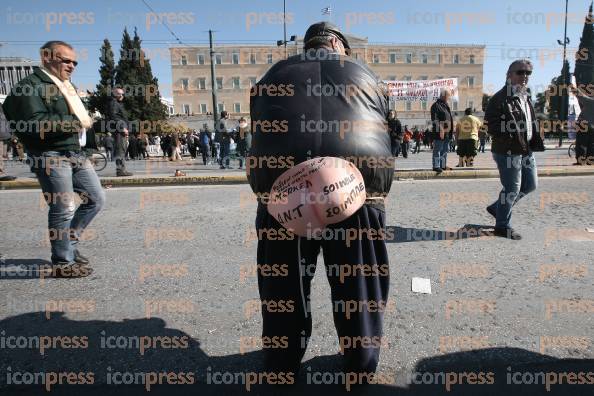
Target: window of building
x: 253, y: 59
x: 357, y: 55
x: 376, y: 58
x: 391, y: 78
x: 455, y: 105
x: 252, y: 81
x: 184, y: 60
x: 424, y: 105
x: 423, y: 77
x: 407, y: 78
x: 425, y: 58
x: 237, y: 107
x: 185, y: 83
x: 220, y: 107
x: 471, y: 59
x: 456, y: 59
x: 219, y: 82
x: 236, y: 83
x: 471, y: 81
x: 269, y: 58
x: 235, y: 58
x: 439, y: 59
x: 200, y: 59
x: 471, y: 104
x: 186, y: 108
x: 409, y: 57
x: 392, y: 58
x: 408, y: 106
x: 203, y: 109
x: 218, y: 59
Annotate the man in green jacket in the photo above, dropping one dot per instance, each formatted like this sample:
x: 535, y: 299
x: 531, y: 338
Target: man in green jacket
x: 49, y: 118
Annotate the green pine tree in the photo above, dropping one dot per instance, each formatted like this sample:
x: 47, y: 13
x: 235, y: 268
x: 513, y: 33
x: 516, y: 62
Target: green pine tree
x: 98, y: 99
x: 135, y: 76
x: 584, y: 64
x: 151, y: 106
x: 127, y: 76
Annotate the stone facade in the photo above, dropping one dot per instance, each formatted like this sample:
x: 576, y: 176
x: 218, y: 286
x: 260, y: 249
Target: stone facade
x: 240, y: 66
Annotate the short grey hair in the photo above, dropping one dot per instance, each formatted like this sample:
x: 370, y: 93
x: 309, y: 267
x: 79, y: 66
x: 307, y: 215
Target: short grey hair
x: 520, y: 62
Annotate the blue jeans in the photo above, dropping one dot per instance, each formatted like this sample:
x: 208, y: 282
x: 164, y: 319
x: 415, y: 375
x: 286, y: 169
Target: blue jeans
x: 60, y: 176
x: 518, y: 177
x: 440, y: 153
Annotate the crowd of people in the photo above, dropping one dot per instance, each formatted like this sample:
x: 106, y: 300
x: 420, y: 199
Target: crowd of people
x: 213, y: 148
x: 467, y: 138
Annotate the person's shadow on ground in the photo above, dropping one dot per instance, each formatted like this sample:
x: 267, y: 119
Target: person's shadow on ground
x: 122, y: 364
x: 468, y: 231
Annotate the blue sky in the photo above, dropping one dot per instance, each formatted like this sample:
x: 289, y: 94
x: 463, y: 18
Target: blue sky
x: 509, y: 29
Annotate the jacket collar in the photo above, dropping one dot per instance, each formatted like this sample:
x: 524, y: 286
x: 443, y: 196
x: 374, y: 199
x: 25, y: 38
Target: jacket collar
x: 42, y: 76
x: 508, y: 89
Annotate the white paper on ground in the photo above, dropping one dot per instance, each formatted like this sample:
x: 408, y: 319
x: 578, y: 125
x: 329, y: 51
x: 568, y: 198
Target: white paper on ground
x: 590, y: 229
x: 421, y: 285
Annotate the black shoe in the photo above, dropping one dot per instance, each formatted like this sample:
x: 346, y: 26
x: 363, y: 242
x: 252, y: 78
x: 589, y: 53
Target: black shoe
x: 438, y: 170
x: 492, y: 212
x: 124, y: 173
x: 508, y: 233
x: 70, y: 270
x: 447, y: 168
x: 7, y: 178
x: 80, y: 259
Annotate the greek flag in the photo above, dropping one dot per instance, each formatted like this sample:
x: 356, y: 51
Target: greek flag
x: 327, y: 11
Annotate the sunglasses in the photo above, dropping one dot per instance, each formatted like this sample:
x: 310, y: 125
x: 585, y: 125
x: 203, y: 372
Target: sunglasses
x: 67, y: 61
x: 523, y: 72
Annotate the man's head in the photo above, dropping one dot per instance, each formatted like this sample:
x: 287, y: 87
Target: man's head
x: 392, y: 114
x: 58, y: 58
x: 326, y: 35
x: 444, y: 94
x: 468, y: 111
x: 519, y: 72
x: 224, y: 114
x: 118, y: 94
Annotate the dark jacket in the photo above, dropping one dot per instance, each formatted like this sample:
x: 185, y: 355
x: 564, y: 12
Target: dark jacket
x: 288, y: 121
x: 108, y: 142
x: 395, y: 130
x: 117, y: 116
x: 506, y: 124
x: 243, y: 138
x: 37, y: 102
x: 441, y: 115
x: 4, y: 129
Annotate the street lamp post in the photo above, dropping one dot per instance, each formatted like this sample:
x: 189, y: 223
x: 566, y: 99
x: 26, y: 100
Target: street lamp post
x: 284, y: 41
x: 564, y: 99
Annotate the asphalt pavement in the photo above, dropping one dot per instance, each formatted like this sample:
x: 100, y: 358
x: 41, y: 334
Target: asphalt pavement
x: 179, y: 262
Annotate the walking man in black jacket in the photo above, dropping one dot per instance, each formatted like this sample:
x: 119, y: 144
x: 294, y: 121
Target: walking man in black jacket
x: 118, y: 124
x: 512, y: 124
x: 443, y: 127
